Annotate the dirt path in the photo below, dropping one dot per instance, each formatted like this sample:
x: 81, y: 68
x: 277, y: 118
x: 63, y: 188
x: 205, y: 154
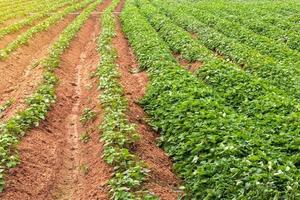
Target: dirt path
x: 55, y: 163
x: 163, y: 182
x: 21, y: 77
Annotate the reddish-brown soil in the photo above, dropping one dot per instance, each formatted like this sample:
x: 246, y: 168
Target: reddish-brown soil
x: 21, y: 78
x: 55, y: 164
x: 162, y: 181
x: 10, y: 21
x: 194, y: 35
x: 12, y: 36
x: 191, y: 66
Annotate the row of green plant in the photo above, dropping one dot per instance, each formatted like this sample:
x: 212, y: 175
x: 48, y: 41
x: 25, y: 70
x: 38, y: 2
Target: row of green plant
x: 268, y: 107
x: 118, y: 134
x: 287, y: 24
x: 32, y: 19
x: 20, y: 10
x: 218, y: 153
x: 238, y: 12
x: 6, y: 3
x: 290, y: 38
x: 15, y: 7
x: 245, y: 93
x: 43, y: 26
x: 267, y: 12
x: 248, y: 58
x: 40, y: 102
x: 284, y: 9
x: 264, y: 45
x: 284, y: 20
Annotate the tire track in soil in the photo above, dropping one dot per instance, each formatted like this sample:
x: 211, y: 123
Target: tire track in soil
x: 51, y: 154
x: 162, y: 181
x: 21, y: 78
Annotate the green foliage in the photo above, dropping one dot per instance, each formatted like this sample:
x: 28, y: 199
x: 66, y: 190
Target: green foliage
x: 40, y: 102
x: 30, y: 20
x: 88, y: 115
x: 118, y: 133
x: 85, y: 137
x: 45, y: 25
x: 266, y: 46
x: 218, y: 153
x: 271, y: 23
x: 245, y: 93
x: 20, y: 9
x: 5, y: 106
x: 285, y: 77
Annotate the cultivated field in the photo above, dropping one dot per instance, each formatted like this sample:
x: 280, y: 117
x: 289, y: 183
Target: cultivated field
x: 149, y: 99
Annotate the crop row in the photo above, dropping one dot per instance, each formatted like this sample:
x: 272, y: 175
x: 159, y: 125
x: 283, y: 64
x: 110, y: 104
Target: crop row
x: 8, y: 3
x: 252, y: 61
x: 31, y: 19
x: 117, y: 133
x: 242, y: 91
x: 40, y: 102
x: 217, y: 152
x: 22, y: 9
x: 16, y: 7
x: 271, y: 19
x: 43, y: 26
x: 4, y: 107
x: 269, y: 108
x: 268, y: 13
x: 290, y: 38
x: 287, y: 24
x: 266, y: 46
x: 283, y: 9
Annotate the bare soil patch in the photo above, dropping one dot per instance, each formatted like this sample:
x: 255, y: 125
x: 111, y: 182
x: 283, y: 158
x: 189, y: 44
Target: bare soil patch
x: 191, y: 66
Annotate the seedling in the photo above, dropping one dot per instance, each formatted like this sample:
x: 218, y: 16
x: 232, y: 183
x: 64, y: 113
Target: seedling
x: 89, y: 86
x: 84, y: 168
x: 88, y: 115
x: 85, y: 137
x: 35, y: 63
x: 93, y: 74
x: 135, y: 70
x: 5, y: 106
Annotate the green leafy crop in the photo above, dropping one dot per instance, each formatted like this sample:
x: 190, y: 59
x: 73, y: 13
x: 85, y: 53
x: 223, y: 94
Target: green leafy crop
x: 118, y: 133
x: 219, y: 151
x: 88, y: 115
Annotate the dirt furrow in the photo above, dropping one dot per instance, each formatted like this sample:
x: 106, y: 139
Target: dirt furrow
x: 190, y: 66
x: 22, y: 76
x: 10, y: 21
x: 93, y: 171
x: 12, y: 36
x: 163, y: 182
x: 55, y: 163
